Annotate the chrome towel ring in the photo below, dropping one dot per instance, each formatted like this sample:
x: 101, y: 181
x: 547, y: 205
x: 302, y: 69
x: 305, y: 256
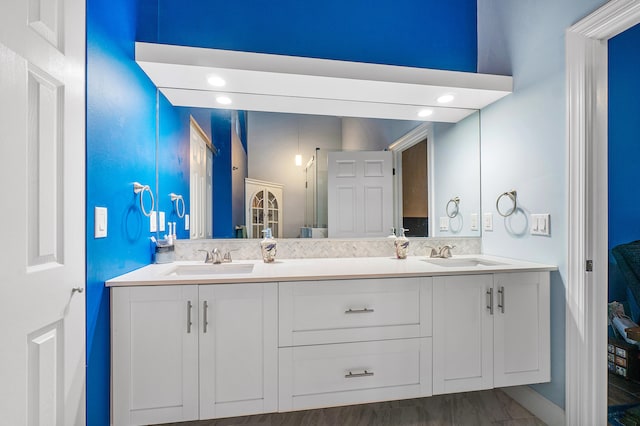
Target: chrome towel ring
x: 512, y: 195
x: 178, y: 201
x: 139, y: 188
x: 453, y: 207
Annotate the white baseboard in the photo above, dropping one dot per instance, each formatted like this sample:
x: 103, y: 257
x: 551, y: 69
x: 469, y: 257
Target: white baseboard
x: 539, y: 406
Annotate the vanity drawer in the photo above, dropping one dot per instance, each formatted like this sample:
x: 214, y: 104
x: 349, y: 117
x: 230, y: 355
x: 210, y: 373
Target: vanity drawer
x: 351, y: 373
x: 317, y: 312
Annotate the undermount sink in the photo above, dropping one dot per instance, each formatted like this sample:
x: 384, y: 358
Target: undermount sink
x: 460, y: 263
x: 211, y: 269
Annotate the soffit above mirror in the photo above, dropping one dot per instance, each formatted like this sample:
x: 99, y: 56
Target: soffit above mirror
x: 278, y: 83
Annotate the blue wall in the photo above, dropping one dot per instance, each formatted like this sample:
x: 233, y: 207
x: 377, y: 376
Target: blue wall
x: 418, y: 33
x: 624, y: 148
x: 524, y: 142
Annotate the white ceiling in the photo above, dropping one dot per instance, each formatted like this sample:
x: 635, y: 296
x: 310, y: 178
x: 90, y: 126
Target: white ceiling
x: 277, y: 83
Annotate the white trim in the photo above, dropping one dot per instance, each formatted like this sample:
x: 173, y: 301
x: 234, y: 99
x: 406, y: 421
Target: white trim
x: 418, y: 134
x: 539, y: 406
x: 586, y: 293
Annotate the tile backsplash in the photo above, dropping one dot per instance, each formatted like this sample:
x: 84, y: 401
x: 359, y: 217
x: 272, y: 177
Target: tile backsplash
x: 299, y: 248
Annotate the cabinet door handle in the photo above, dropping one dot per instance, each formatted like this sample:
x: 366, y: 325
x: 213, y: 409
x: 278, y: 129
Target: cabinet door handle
x: 359, y: 311
x: 501, y: 299
x: 189, y: 323
x: 365, y: 373
x: 490, y: 301
x: 205, y: 320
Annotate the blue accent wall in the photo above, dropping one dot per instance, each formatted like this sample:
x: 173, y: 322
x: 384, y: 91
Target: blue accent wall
x: 223, y: 226
x: 417, y: 33
x: 624, y: 148
x: 121, y: 140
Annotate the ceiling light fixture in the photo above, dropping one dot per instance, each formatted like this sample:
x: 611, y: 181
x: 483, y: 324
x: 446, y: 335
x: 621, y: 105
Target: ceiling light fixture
x: 425, y: 112
x: 216, y: 81
x: 224, y: 100
x: 445, y: 99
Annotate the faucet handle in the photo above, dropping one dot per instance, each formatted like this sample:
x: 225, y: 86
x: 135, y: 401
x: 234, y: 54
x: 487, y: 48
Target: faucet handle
x: 445, y: 251
x: 209, y: 258
x: 434, y: 252
x: 227, y: 257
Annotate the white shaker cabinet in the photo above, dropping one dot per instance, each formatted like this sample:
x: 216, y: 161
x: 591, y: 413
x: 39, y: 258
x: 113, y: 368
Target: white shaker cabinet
x: 490, y: 331
x: 238, y: 349
x: 184, y: 352
x: 154, y: 354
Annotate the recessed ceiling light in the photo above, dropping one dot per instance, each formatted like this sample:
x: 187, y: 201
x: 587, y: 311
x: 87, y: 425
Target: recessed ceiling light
x: 445, y: 98
x: 216, y: 81
x: 224, y: 100
x: 425, y: 112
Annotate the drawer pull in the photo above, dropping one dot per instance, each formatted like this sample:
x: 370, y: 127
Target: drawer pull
x: 189, y: 323
x: 351, y: 375
x: 358, y: 311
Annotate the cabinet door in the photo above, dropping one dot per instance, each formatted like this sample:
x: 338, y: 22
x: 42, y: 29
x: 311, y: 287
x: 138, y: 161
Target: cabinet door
x: 521, y: 327
x: 462, y: 333
x: 154, y: 354
x: 238, y: 349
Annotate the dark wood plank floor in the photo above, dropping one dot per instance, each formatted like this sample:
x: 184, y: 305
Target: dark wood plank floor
x: 491, y: 407
x: 622, y: 391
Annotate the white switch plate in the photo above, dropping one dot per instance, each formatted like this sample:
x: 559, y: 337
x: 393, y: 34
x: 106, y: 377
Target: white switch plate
x: 186, y: 222
x: 100, y: 222
x: 487, y: 222
x: 540, y: 224
x: 474, y: 221
x: 444, y: 223
x: 161, y: 221
x: 153, y: 222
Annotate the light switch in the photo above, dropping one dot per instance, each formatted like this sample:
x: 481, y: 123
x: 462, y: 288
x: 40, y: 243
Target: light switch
x: 161, y: 221
x: 487, y: 222
x: 186, y: 222
x: 100, y: 222
x: 153, y: 222
x: 540, y: 224
x: 474, y: 221
x: 444, y: 223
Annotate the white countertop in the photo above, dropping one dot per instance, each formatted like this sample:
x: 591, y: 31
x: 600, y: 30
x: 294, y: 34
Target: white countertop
x: 321, y: 269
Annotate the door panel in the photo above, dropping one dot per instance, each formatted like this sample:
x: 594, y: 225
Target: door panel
x: 42, y: 110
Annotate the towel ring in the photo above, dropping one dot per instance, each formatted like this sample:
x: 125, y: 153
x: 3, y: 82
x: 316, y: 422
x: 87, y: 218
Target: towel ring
x: 139, y: 188
x: 177, y: 201
x: 453, y: 207
x: 512, y: 196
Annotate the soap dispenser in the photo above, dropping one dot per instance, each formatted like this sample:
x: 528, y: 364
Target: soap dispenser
x: 402, y: 244
x: 268, y: 247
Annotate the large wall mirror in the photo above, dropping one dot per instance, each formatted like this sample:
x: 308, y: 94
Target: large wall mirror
x: 277, y: 170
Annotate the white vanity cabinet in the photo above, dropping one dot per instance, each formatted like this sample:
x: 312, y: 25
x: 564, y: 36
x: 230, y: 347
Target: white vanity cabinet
x: 184, y: 352
x: 490, y: 331
x: 354, y: 341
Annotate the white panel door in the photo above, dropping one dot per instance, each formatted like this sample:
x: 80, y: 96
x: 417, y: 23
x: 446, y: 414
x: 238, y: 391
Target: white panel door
x: 200, y: 187
x: 521, y: 329
x: 462, y: 333
x: 154, y: 338
x: 360, y: 197
x: 42, y: 307
x: 238, y: 349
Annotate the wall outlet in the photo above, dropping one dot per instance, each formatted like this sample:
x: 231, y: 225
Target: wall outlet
x: 487, y: 222
x: 444, y: 223
x: 153, y: 221
x: 100, y: 222
x: 540, y: 224
x: 161, y: 221
x: 186, y: 222
x: 474, y: 222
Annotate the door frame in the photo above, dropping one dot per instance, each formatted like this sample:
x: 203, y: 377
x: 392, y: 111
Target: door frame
x: 586, y: 134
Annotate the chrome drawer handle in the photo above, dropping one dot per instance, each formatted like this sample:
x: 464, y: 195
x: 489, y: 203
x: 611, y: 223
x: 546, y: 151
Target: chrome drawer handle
x: 490, y: 302
x: 358, y: 311
x: 351, y: 375
x: 205, y: 319
x: 189, y: 323
x: 501, y: 299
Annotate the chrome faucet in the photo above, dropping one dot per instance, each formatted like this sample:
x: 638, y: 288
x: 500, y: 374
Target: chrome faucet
x: 443, y: 252
x: 216, y: 256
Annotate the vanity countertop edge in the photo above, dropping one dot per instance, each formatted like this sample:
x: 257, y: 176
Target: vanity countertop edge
x: 322, y: 269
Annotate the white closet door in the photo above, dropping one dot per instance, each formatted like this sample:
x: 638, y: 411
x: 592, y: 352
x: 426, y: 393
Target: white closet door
x: 42, y: 117
x: 360, y: 194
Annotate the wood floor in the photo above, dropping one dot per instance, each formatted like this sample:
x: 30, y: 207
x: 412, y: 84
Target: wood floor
x: 491, y: 407
x: 621, y: 391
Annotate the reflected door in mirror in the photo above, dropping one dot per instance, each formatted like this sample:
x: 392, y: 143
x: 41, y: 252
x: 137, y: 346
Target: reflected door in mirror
x: 201, y: 171
x: 264, y: 207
